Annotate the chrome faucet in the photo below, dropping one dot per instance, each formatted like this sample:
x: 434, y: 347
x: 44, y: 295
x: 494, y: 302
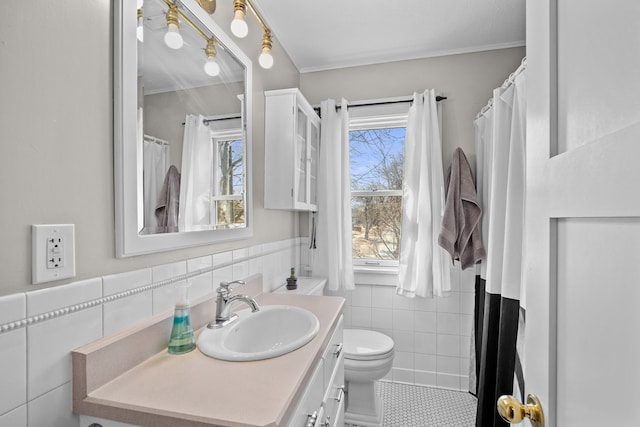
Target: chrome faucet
x: 224, y: 301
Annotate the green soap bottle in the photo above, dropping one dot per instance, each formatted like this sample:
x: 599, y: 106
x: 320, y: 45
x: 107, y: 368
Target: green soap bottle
x: 182, y: 338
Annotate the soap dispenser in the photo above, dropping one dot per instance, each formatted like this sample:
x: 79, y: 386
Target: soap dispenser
x: 182, y: 338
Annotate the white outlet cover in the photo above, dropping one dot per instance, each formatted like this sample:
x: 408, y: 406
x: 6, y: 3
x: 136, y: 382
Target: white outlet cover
x: 65, y: 265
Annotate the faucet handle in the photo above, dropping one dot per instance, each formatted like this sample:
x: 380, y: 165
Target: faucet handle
x: 225, y: 287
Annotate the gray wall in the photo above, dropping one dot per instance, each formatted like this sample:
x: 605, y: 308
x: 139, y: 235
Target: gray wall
x: 56, y: 131
x: 467, y: 80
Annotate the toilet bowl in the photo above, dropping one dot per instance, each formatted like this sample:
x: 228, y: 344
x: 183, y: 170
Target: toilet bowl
x: 368, y: 356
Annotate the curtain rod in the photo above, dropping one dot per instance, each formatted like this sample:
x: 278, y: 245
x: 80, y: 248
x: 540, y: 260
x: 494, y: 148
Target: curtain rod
x: 217, y: 119
x: 399, y: 101
x: 508, y: 82
x: 156, y: 140
x: 381, y: 102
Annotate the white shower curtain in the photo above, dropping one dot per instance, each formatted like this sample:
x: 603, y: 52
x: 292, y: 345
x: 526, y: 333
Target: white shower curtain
x: 500, y: 142
x: 155, y: 164
x: 424, y: 269
x: 196, y: 175
x: 155, y: 167
x: 334, y: 258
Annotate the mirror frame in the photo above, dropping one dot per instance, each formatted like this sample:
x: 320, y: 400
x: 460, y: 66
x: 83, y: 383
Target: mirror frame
x: 129, y: 214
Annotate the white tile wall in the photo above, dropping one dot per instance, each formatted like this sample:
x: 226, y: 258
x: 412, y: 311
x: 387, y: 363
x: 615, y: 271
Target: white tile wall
x: 14, y: 418
x: 13, y: 354
x: 53, y: 409
x: 50, y: 344
x: 203, y: 284
x: 35, y: 373
x: 432, y: 336
x: 165, y: 297
x: 125, y: 312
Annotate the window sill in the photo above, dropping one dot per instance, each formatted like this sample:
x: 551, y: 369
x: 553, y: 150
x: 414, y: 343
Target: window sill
x: 382, y: 276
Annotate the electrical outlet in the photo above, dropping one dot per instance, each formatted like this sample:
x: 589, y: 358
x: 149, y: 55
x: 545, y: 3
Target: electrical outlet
x: 53, y: 252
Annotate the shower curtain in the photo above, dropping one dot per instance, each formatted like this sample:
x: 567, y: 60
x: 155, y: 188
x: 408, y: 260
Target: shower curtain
x: 197, y: 175
x: 424, y: 268
x: 500, y: 147
x: 334, y: 256
x: 155, y: 165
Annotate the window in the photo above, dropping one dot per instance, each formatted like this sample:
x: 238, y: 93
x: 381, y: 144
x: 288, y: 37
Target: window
x: 377, y: 171
x: 227, y: 201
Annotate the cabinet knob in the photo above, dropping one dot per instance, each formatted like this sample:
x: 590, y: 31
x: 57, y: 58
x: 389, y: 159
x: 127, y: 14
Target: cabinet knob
x: 338, y: 350
x: 340, y: 395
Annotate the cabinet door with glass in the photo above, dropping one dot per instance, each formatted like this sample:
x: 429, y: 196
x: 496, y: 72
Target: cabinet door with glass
x: 292, y: 142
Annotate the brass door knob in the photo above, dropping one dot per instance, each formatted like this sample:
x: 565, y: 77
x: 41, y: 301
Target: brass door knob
x: 512, y: 411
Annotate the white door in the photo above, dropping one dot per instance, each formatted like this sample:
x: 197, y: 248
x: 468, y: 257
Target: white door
x: 582, y: 272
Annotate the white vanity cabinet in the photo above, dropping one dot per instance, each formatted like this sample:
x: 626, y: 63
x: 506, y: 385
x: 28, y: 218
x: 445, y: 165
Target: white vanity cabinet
x: 292, y: 142
x: 88, y: 421
x: 322, y: 402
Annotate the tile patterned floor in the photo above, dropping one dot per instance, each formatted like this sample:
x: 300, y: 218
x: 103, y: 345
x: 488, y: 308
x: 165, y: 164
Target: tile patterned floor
x: 415, y: 406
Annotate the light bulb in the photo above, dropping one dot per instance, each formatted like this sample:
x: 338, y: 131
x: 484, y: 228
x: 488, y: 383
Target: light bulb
x: 265, y: 59
x: 239, y: 27
x: 211, y: 67
x: 173, y: 38
x: 140, y: 30
x: 139, y: 3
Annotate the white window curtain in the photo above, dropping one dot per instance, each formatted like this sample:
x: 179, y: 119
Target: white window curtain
x: 196, y: 176
x: 334, y: 258
x: 424, y: 269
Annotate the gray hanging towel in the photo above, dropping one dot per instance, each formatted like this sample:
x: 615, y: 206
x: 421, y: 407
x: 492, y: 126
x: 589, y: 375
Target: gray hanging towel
x: 168, y: 202
x: 460, y: 235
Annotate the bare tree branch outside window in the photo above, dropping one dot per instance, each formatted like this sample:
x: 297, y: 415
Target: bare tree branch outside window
x: 229, y: 205
x: 377, y: 160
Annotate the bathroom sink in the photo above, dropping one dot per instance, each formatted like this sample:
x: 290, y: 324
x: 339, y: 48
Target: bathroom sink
x: 273, y: 331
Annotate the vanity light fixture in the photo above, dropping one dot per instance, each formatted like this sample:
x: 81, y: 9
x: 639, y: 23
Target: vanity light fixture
x: 140, y: 27
x: 211, y: 67
x: 266, y: 59
x: 239, y: 26
x: 208, y: 5
x: 173, y: 38
x: 240, y: 29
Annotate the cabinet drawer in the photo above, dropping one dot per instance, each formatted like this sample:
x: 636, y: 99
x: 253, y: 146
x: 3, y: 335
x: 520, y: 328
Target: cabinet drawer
x: 333, y: 352
x: 334, y: 397
x: 311, y: 400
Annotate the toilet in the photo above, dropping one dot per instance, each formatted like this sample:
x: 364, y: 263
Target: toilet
x: 368, y: 356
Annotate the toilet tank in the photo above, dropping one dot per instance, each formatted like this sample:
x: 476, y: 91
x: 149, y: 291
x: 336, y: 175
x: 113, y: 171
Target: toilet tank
x: 306, y: 286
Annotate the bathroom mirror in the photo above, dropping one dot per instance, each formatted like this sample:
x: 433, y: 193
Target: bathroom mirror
x: 182, y: 130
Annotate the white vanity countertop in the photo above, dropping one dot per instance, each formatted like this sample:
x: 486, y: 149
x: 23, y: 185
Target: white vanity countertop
x: 111, y: 380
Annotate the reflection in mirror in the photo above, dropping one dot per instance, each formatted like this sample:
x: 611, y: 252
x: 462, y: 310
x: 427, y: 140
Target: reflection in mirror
x: 181, y: 174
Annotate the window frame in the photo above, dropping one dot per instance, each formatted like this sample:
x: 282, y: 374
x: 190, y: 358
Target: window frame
x: 218, y: 136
